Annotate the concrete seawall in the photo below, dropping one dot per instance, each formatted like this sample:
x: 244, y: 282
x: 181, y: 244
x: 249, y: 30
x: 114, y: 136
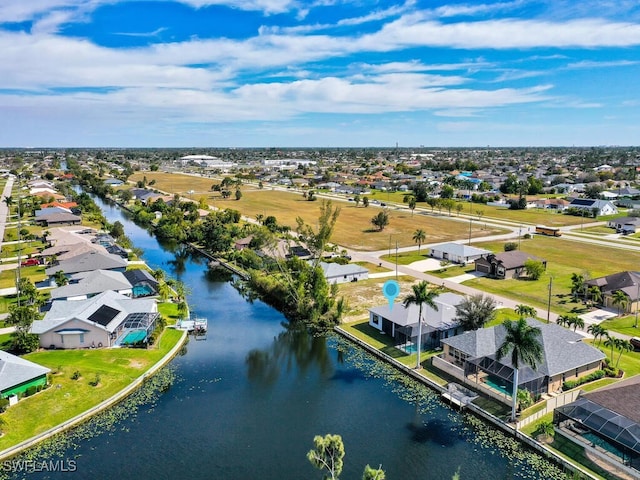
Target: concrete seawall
x: 86, y: 415
x: 495, y: 421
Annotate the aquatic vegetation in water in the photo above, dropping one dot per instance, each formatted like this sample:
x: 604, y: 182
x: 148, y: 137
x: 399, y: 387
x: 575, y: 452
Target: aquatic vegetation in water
x: 109, y: 420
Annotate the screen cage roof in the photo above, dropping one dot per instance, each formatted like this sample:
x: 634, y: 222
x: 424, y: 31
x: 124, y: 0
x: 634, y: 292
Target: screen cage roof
x: 604, y: 421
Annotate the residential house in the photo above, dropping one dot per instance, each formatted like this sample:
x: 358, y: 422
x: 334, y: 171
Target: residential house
x: 505, y: 264
x: 624, y: 224
x: 337, y: 273
x: 627, y: 282
x: 55, y: 218
x: 557, y: 204
x: 471, y: 357
x: 87, y: 262
x: 105, y: 320
x: 606, y: 424
x: 114, y: 182
x: 89, y: 284
x: 401, y: 323
x: 590, y: 205
x: 456, y: 252
x: 143, y: 284
x: 18, y: 374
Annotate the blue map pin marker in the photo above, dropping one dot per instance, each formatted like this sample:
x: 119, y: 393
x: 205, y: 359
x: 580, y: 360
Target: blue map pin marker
x: 391, y: 290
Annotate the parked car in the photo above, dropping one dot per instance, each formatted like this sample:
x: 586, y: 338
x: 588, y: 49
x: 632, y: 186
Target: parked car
x: 635, y: 341
x: 30, y: 262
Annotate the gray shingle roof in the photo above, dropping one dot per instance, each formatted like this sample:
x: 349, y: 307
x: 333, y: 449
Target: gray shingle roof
x: 63, y: 310
x: 88, y: 261
x: 441, y: 318
x: 563, y: 349
x: 332, y: 270
x: 15, y: 370
x: 459, y: 250
x: 90, y: 283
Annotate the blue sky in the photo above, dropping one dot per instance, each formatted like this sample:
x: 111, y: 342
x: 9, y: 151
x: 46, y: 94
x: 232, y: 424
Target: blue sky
x: 319, y: 73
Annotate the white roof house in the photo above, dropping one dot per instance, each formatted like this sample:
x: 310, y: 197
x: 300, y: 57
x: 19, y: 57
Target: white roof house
x: 87, y: 284
x: 456, y: 252
x: 18, y: 374
x: 94, y: 322
x: 336, y: 273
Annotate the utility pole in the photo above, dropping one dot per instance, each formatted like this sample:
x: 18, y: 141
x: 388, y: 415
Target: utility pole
x: 549, y: 302
x: 635, y: 325
x: 396, y: 260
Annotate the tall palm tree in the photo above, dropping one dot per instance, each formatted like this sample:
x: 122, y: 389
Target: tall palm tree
x: 620, y: 299
x: 624, y: 346
x: 421, y: 295
x: 523, y: 342
x: 577, y: 284
x: 611, y: 343
x: 596, y: 294
x: 577, y: 322
x: 598, y: 331
x: 419, y: 237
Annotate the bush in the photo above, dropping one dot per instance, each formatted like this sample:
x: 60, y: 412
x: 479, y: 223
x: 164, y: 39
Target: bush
x: 30, y: 391
x: 509, y: 246
x: 570, y: 384
x: 4, y: 404
x: 76, y: 375
x: 95, y: 381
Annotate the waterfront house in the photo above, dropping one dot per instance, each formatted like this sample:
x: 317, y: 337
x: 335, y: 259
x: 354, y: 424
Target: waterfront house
x: 101, y: 321
x: 87, y: 262
x: 606, y: 423
x: 505, y: 264
x: 89, y: 284
x: 471, y: 357
x: 401, y: 323
x: 627, y: 282
x: 456, y: 252
x: 18, y: 374
x: 337, y: 273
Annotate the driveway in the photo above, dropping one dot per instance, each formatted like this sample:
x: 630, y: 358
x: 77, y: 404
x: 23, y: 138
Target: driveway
x: 598, y: 316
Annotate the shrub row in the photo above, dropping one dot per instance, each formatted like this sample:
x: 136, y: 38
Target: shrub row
x: 570, y: 384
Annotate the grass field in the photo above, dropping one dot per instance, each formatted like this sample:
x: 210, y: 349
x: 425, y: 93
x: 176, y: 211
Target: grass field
x: 353, y: 230
x: 564, y: 257
x: 67, y: 398
x: 35, y: 274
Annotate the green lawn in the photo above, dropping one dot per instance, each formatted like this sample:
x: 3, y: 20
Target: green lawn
x: 169, y: 311
x: 35, y: 274
x: 67, y: 398
x: 564, y: 257
x: 623, y: 325
x: 5, y: 341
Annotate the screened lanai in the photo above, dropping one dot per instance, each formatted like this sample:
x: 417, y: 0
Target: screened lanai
x: 587, y: 418
x: 528, y: 379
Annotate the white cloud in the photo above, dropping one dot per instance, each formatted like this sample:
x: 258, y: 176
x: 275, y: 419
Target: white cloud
x: 602, y: 64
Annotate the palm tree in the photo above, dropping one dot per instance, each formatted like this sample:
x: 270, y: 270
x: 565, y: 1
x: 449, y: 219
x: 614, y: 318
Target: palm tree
x: 523, y: 341
x: 525, y: 311
x: 611, y: 343
x: 624, y: 346
x: 60, y: 278
x: 598, y: 331
x: 419, y: 237
x: 577, y: 284
x: 421, y: 295
x: 621, y: 300
x: 475, y: 311
x: 596, y: 294
x: 577, y: 322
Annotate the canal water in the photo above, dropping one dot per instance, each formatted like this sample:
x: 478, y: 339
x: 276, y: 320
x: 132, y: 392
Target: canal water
x: 247, y: 402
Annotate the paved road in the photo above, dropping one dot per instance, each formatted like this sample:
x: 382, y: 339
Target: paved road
x: 4, y: 210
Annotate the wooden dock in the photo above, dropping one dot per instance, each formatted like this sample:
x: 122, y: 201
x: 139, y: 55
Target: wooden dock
x: 219, y: 261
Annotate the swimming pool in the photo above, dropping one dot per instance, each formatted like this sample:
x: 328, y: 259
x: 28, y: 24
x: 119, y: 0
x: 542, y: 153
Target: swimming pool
x: 142, y: 291
x: 497, y: 384
x: 602, y: 443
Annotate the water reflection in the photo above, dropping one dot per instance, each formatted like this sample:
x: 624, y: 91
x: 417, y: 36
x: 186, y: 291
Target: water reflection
x: 292, y: 350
